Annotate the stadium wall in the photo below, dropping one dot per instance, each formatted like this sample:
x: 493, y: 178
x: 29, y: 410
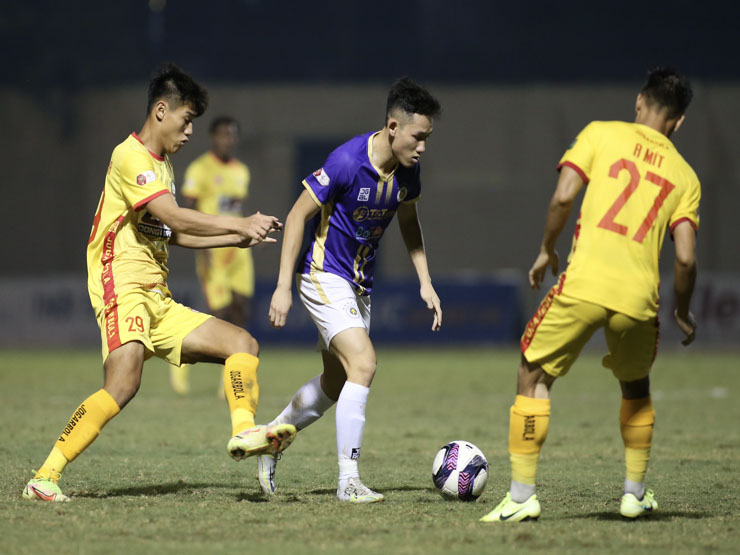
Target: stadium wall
x: 488, y: 173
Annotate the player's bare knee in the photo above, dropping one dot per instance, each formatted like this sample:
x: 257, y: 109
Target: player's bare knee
x: 246, y: 343
x: 362, y: 371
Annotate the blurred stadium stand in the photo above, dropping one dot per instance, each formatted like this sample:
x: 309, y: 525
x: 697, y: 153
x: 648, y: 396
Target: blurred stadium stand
x: 517, y: 82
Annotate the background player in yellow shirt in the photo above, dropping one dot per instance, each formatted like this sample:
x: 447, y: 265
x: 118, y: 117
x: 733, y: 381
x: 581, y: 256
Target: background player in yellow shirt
x: 136, y: 220
x: 639, y: 186
x: 217, y: 183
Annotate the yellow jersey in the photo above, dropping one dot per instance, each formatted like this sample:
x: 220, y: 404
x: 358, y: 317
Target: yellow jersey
x: 218, y: 187
x: 128, y: 247
x: 638, y: 186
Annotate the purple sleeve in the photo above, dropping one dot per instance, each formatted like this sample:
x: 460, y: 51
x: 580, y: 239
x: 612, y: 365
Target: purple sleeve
x: 331, y: 179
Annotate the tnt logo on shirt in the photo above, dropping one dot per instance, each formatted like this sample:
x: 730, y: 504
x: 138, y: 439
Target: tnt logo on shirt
x: 145, y: 177
x: 364, y: 195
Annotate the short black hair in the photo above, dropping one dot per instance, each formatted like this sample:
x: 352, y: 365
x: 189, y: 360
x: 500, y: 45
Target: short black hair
x: 412, y: 99
x: 171, y: 83
x: 668, y: 88
x: 223, y: 120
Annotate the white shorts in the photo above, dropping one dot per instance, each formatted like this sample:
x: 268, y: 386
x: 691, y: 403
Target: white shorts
x: 333, y: 304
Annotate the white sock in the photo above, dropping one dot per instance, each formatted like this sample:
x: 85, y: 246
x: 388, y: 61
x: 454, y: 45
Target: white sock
x: 308, y: 405
x: 521, y: 492
x: 635, y: 488
x: 350, y: 427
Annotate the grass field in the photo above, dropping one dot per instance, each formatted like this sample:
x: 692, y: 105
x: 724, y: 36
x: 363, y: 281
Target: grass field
x: 158, y: 480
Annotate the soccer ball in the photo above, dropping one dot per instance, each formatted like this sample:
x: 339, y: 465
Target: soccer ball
x: 460, y: 471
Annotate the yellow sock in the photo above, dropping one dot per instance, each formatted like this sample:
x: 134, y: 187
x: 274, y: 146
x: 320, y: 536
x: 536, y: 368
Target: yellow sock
x: 528, y: 423
x: 636, y: 420
x: 241, y: 390
x: 53, y: 466
x: 180, y: 378
x: 81, y: 430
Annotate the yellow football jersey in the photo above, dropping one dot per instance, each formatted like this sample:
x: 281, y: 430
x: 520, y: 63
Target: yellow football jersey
x: 218, y: 187
x: 128, y: 247
x: 638, y: 185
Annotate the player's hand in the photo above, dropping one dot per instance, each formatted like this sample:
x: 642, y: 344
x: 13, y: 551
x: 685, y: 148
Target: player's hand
x: 258, y: 226
x: 430, y: 297
x: 282, y: 301
x: 538, y: 269
x: 688, y: 326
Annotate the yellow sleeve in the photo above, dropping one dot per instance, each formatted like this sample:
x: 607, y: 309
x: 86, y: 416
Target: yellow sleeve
x: 139, y: 181
x: 688, y: 206
x: 580, y: 153
x: 192, y: 186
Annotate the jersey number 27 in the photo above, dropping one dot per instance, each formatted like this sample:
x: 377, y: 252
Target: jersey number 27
x: 607, y: 222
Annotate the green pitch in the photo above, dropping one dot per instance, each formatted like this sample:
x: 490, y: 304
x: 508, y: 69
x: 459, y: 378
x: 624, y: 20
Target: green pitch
x: 158, y: 480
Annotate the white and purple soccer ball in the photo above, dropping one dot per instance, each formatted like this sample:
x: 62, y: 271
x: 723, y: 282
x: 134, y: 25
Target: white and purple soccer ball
x: 460, y: 471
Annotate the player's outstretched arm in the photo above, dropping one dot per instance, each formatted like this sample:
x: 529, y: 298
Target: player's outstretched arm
x: 303, y: 210
x: 684, y: 277
x: 569, y: 185
x: 408, y: 221
x: 185, y: 221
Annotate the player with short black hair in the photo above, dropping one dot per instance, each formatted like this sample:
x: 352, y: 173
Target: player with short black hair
x: 173, y: 85
x: 136, y: 220
x: 639, y: 187
x: 218, y: 183
x: 349, y: 203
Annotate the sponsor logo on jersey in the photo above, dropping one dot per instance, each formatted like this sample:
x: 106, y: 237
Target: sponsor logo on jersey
x: 145, y: 177
x: 363, y: 233
x: 321, y: 177
x: 364, y: 194
x: 363, y: 213
x: 151, y: 226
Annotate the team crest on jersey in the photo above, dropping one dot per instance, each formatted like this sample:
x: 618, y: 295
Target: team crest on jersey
x: 364, y: 194
x: 145, y: 177
x: 402, y: 192
x: 322, y: 177
x: 351, y: 310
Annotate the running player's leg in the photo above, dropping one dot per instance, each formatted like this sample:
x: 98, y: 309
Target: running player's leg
x: 123, y: 369
x: 355, y: 351
x: 125, y: 333
x: 632, y: 348
x: 550, y: 345
x: 315, y: 396
x: 308, y: 404
x: 218, y: 341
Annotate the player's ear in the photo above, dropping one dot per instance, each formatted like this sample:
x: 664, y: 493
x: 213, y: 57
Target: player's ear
x: 639, y: 102
x: 392, y: 126
x: 160, y: 110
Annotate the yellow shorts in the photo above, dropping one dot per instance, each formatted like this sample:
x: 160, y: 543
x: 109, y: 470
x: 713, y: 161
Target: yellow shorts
x: 562, y: 325
x: 150, y: 317
x: 223, y: 272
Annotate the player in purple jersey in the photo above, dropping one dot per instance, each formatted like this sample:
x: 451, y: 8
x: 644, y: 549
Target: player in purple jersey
x: 349, y: 203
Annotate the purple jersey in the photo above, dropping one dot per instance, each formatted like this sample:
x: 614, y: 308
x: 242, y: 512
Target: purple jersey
x: 357, y: 203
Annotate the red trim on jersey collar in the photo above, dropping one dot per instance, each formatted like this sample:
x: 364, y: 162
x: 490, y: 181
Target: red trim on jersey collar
x: 155, y: 156
x: 578, y: 170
